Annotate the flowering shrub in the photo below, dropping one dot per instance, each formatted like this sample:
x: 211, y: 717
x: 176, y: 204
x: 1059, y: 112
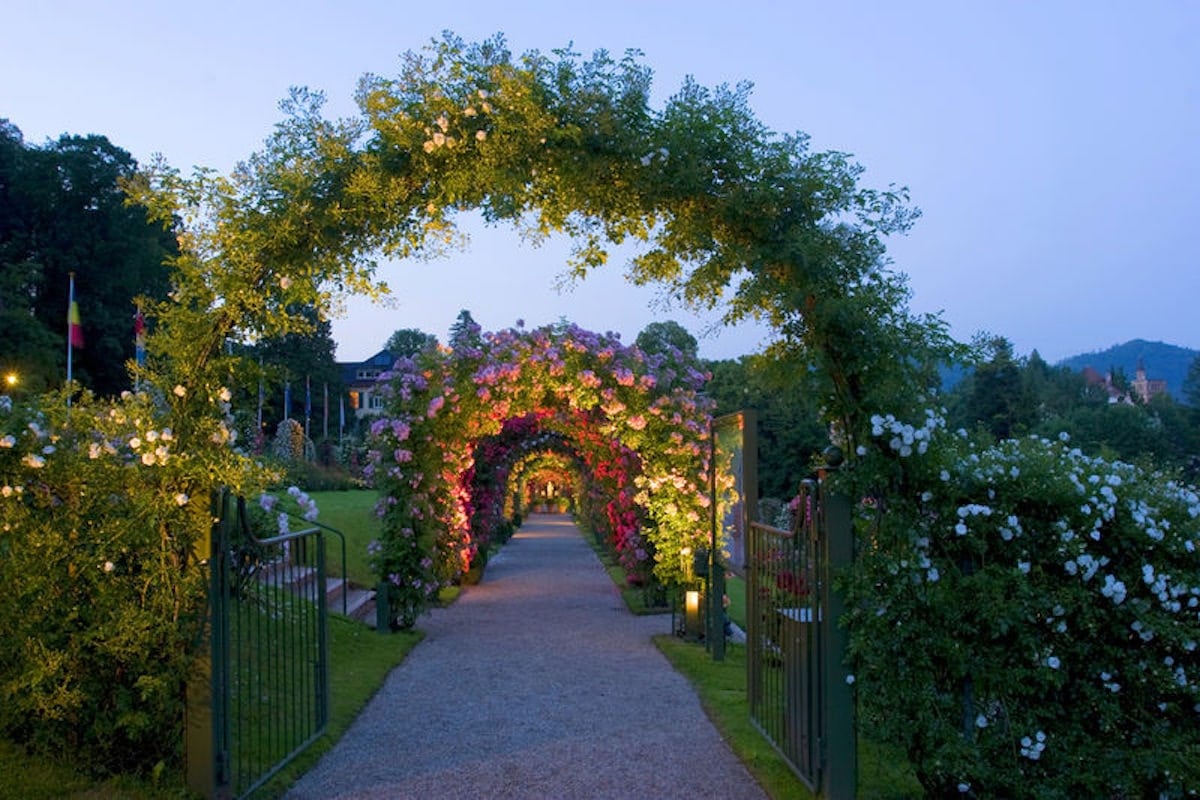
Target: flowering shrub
x: 1024, y: 618
x: 455, y: 417
x: 102, y: 506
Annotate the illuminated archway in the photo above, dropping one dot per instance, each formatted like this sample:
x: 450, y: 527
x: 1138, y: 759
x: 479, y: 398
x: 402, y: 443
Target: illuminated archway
x: 459, y: 418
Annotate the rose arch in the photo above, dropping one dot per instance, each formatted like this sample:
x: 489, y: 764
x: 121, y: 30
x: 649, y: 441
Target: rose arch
x: 630, y: 428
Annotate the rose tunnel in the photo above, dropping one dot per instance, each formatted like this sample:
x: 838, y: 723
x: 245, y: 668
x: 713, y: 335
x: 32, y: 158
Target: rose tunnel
x: 469, y: 429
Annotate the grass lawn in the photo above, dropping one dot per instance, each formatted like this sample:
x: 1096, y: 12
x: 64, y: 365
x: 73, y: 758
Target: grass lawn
x: 883, y: 773
x: 360, y: 660
x: 735, y: 590
x: 352, y: 513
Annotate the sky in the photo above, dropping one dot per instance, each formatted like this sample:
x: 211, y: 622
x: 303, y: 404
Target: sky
x: 1052, y: 147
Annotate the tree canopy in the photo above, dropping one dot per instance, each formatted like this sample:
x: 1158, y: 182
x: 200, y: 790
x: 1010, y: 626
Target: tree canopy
x: 63, y: 210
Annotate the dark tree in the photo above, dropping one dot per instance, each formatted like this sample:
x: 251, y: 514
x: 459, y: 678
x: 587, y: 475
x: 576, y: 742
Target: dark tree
x: 303, y: 362
x: 667, y: 338
x: 63, y: 210
x: 409, y: 342
x: 465, y: 332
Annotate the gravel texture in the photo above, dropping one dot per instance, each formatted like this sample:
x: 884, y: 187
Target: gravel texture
x: 537, y: 683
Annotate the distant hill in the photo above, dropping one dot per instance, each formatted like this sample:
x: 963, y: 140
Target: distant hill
x: 1163, y: 362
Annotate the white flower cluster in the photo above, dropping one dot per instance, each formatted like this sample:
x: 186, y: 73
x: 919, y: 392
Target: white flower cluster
x: 151, y: 450
x: 905, y: 438
x: 1033, y: 748
x: 970, y: 510
x: 308, y: 506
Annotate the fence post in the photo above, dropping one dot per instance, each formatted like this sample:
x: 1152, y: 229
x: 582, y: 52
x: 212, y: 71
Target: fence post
x: 840, y: 776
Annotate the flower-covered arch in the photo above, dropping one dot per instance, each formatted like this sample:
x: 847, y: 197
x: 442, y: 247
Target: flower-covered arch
x: 459, y: 418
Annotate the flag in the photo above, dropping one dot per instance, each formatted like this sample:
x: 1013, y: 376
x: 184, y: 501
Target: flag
x: 139, y: 338
x: 74, y: 330
x: 74, y: 326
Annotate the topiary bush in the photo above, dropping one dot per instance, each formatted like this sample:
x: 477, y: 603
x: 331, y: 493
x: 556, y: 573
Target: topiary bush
x: 1024, y: 618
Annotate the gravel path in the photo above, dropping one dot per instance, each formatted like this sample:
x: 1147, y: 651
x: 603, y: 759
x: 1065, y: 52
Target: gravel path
x: 537, y: 683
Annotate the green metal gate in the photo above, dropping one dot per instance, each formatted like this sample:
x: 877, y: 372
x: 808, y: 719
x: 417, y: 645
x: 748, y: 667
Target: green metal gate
x: 799, y: 695
x: 269, y: 655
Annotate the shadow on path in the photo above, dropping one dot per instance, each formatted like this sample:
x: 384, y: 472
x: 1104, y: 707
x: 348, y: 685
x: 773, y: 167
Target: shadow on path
x: 537, y: 683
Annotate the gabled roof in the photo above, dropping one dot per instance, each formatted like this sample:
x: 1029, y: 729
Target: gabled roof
x: 381, y: 361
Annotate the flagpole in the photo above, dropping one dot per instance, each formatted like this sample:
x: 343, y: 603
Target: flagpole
x: 70, y: 303
x: 307, y: 404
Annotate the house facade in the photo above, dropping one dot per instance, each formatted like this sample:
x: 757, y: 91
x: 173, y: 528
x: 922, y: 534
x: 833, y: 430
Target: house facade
x: 361, y: 379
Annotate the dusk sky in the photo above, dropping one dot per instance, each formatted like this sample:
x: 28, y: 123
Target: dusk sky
x: 1053, y: 148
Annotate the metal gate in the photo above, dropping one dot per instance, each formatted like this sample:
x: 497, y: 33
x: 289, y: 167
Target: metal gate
x: 269, y: 656
x: 799, y: 695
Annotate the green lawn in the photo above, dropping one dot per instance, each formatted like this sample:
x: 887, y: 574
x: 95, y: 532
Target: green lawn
x: 352, y: 513
x: 883, y: 773
x: 735, y: 590
x: 360, y: 660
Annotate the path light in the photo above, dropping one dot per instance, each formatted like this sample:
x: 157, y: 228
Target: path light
x: 10, y: 380
x: 691, y: 614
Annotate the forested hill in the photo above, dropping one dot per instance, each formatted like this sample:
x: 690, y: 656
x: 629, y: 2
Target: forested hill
x: 1163, y: 362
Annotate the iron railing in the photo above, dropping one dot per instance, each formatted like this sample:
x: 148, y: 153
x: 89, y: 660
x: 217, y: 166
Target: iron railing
x: 799, y: 697
x: 269, y: 650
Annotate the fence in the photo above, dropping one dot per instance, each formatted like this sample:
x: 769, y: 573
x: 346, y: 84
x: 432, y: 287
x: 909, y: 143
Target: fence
x: 798, y: 691
x: 267, y: 696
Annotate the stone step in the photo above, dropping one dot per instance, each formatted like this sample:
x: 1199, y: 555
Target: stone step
x: 360, y: 602
x: 360, y: 605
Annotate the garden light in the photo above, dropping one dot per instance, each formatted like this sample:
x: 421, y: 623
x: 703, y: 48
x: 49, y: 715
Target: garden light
x: 691, y: 614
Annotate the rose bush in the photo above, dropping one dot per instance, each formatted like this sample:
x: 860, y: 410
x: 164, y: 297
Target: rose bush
x: 103, y: 506
x: 1025, y: 618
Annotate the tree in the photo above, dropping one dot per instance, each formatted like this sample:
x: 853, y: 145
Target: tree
x: 302, y: 361
x: 465, y: 332
x: 1191, y: 384
x: 63, y: 209
x: 993, y: 395
x: 790, y: 433
x: 668, y: 338
x: 409, y: 342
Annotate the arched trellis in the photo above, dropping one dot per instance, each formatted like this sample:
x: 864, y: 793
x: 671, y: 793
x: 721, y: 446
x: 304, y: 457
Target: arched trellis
x: 731, y: 216
x: 547, y: 476
x: 637, y: 425
x: 512, y: 456
x: 499, y: 463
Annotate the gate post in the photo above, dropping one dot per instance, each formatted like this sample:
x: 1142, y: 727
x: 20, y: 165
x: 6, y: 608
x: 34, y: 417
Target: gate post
x: 840, y: 776
x: 204, y: 719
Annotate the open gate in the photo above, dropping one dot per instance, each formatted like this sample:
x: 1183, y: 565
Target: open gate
x: 799, y: 691
x: 266, y: 697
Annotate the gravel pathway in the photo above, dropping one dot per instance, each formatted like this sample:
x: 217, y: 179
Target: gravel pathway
x: 537, y: 683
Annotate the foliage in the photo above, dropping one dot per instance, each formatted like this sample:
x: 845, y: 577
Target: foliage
x: 62, y: 210
x: 1008, y: 396
x: 790, y: 433
x: 104, y: 507
x: 457, y: 420
x: 296, y: 369
x: 408, y: 342
x: 669, y: 339
x: 1025, y: 617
